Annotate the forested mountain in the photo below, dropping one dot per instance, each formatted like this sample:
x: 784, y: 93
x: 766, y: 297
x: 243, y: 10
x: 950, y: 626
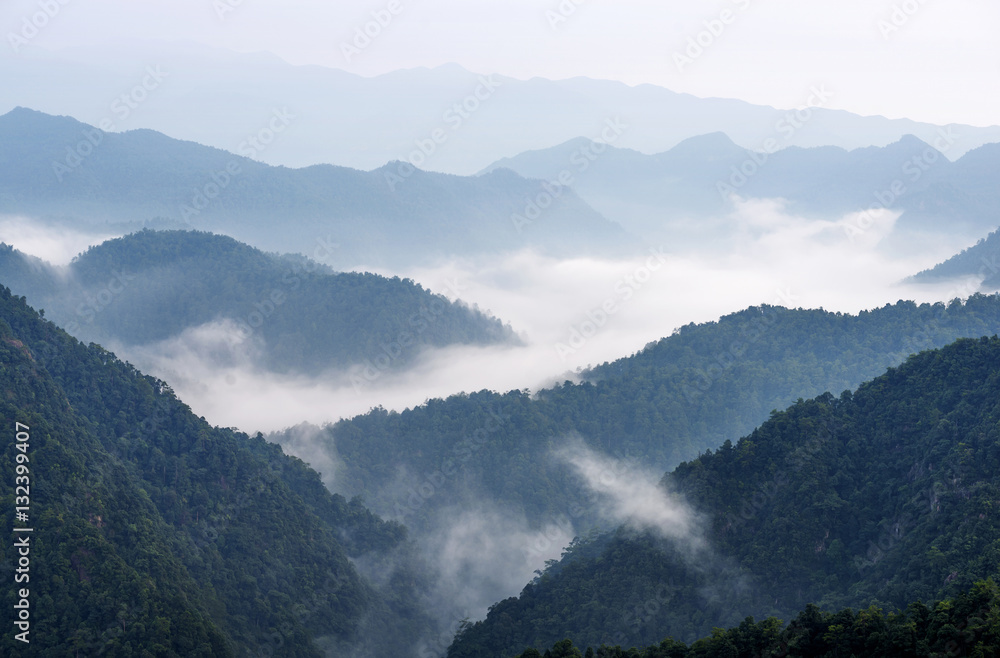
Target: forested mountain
x: 695, y: 179
x: 966, y: 625
x: 676, y: 398
x: 981, y: 261
x: 58, y: 169
x: 287, y: 313
x: 881, y: 497
x: 154, y: 532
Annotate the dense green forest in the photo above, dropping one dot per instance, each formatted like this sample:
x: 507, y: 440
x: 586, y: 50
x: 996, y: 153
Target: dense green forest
x: 881, y: 497
x: 967, y: 625
x: 156, y: 534
x: 300, y: 315
x: 686, y: 393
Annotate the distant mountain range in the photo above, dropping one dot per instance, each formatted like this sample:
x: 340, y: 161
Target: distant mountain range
x: 224, y: 99
x: 284, y: 314
x: 656, y: 195
x: 58, y: 169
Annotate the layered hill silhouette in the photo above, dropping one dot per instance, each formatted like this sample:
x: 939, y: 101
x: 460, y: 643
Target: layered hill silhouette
x: 58, y: 169
x: 286, y: 314
x: 980, y: 262
x: 154, y: 531
x: 698, y: 178
x: 882, y: 497
x: 678, y: 397
x: 221, y: 98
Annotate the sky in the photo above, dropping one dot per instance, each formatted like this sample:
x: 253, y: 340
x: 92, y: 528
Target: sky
x: 927, y: 60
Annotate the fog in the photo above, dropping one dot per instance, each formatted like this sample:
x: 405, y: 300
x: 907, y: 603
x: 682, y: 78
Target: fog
x: 570, y: 313
x: 52, y: 243
x: 628, y: 494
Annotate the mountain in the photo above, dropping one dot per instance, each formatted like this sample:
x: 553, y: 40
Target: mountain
x: 152, y: 531
x: 980, y: 261
x: 225, y: 99
x: 696, y: 179
x: 61, y: 170
x: 881, y: 497
x: 668, y: 403
x: 286, y: 314
x: 965, y: 625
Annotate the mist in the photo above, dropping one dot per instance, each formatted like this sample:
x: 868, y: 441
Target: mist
x: 570, y: 313
x: 52, y: 243
x: 630, y: 495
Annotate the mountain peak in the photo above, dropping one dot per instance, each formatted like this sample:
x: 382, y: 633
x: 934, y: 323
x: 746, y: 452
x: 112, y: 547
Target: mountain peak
x: 711, y: 143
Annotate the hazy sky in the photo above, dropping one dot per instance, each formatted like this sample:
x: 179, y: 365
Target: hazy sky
x: 928, y: 60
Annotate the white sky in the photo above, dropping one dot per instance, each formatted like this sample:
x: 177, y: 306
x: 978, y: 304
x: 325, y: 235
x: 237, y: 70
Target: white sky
x: 940, y: 66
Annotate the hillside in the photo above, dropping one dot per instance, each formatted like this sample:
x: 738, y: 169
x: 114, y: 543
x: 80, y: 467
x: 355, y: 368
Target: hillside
x: 61, y: 170
x: 966, y: 625
x: 670, y: 402
x: 880, y: 497
x: 284, y: 313
x: 981, y: 261
x: 153, y: 530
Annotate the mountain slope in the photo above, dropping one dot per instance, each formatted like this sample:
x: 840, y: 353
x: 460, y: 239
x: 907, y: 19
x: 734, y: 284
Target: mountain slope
x: 880, y: 497
x: 286, y: 313
x: 966, y: 625
x: 154, y: 531
x: 59, y: 169
x: 980, y: 261
x: 684, y: 394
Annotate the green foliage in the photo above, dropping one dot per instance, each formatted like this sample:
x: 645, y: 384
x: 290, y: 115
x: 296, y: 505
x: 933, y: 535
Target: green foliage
x: 680, y: 396
x: 876, y: 498
x: 156, y: 532
x: 968, y: 625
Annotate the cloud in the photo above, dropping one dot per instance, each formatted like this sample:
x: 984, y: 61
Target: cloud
x: 55, y: 244
x: 571, y: 313
x: 630, y: 495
